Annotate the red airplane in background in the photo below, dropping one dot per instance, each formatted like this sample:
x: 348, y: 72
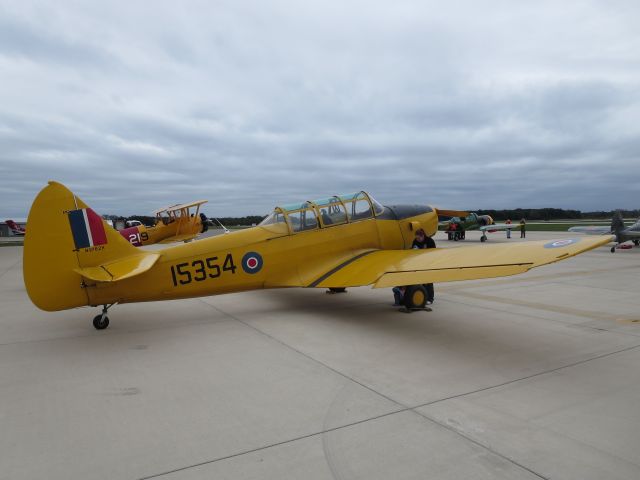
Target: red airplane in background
x: 15, y: 228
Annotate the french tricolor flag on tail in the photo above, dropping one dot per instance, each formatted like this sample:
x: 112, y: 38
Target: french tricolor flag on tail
x: 87, y: 228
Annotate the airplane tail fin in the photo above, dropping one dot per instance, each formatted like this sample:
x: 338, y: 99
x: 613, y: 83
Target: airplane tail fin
x: 14, y: 227
x: 67, y: 243
x: 617, y: 224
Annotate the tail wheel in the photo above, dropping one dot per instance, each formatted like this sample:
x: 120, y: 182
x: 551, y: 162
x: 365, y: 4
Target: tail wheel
x: 415, y: 296
x: 100, y: 322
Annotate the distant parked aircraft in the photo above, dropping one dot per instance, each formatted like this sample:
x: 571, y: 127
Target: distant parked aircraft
x: 15, y: 228
x: 473, y: 221
x: 617, y: 228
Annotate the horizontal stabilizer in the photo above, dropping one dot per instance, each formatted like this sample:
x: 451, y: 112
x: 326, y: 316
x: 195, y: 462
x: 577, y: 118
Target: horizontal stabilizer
x: 120, y: 269
x: 589, y: 230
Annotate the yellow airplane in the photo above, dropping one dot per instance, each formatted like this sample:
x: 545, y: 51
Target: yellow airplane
x: 173, y: 224
x: 72, y: 259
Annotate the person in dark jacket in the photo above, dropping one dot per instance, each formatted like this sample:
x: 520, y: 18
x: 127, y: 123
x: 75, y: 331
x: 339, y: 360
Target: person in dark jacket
x: 523, y: 228
x: 421, y: 241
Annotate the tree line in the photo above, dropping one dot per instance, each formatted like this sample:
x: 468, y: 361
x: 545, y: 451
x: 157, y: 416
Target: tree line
x: 547, y: 214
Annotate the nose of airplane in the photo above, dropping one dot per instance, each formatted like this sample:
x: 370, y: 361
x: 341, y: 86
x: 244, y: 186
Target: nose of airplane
x: 485, y: 220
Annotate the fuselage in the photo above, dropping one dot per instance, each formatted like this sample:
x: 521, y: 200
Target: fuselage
x: 266, y: 256
x: 629, y: 233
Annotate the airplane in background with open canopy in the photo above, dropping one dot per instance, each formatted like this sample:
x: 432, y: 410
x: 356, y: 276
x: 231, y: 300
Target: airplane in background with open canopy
x: 72, y: 259
x: 175, y: 223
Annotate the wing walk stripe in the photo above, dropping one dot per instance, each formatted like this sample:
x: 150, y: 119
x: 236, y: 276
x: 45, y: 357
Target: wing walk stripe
x: 339, y: 267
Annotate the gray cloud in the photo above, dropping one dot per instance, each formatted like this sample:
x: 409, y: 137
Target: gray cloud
x: 468, y: 105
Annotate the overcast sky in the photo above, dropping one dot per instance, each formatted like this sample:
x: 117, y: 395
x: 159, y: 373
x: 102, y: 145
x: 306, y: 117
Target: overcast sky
x: 459, y: 104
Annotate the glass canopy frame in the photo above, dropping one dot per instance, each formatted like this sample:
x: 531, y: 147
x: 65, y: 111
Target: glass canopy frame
x: 326, y: 212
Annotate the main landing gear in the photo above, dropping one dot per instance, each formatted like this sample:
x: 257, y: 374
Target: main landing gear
x: 415, y: 298
x: 100, y: 322
x: 483, y: 238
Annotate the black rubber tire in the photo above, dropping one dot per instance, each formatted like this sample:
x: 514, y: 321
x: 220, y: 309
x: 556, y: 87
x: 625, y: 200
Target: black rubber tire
x: 415, y: 296
x: 483, y: 238
x: 100, y: 323
x: 613, y: 249
x: 338, y: 290
x: 636, y: 243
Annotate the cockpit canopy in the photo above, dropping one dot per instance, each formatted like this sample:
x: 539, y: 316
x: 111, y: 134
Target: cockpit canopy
x: 325, y: 212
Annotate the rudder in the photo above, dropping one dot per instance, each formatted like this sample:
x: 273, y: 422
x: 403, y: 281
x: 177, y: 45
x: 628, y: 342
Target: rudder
x: 63, y: 236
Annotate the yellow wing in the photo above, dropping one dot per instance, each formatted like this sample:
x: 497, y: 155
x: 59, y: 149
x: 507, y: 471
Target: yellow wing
x: 388, y: 268
x: 179, y: 238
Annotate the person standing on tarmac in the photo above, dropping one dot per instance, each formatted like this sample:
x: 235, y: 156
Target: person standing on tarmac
x: 508, y: 222
x: 452, y: 230
x: 523, y: 228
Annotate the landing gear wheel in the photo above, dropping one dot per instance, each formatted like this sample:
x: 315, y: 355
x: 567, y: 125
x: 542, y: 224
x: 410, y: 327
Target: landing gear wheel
x: 483, y: 238
x: 636, y: 243
x: 415, y: 297
x: 613, y: 249
x: 100, y: 322
x: 337, y: 290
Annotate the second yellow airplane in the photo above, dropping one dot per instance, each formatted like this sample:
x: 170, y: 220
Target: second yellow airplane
x: 73, y: 259
x: 173, y: 224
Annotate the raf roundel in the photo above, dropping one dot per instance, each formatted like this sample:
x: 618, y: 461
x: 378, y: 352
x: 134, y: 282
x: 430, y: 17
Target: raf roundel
x: 561, y: 243
x: 252, y: 262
